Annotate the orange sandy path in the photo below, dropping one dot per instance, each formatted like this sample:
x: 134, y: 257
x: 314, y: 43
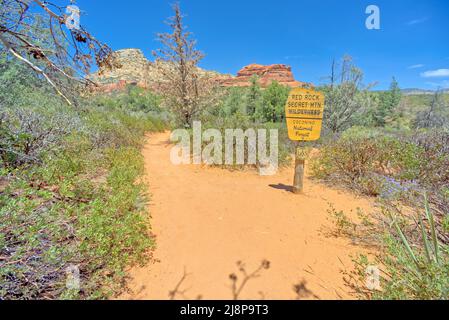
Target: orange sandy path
x: 206, y: 219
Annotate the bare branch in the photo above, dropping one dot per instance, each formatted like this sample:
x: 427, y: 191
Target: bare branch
x: 66, y: 53
x: 176, y: 291
x: 35, y: 68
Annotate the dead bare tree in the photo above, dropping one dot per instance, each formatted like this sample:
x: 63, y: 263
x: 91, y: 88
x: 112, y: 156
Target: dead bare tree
x: 65, y: 53
x: 346, y: 96
x: 435, y: 116
x: 186, y: 88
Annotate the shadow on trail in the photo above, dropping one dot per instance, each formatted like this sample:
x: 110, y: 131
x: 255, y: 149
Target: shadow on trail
x: 239, y: 283
x: 281, y: 186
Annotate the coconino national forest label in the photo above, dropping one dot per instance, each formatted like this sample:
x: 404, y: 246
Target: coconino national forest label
x: 304, y: 114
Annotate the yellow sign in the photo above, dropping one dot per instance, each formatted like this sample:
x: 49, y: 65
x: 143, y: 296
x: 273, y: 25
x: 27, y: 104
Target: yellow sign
x: 304, y: 113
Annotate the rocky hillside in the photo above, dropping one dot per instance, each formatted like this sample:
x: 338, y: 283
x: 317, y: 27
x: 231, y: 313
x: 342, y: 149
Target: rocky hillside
x: 132, y: 67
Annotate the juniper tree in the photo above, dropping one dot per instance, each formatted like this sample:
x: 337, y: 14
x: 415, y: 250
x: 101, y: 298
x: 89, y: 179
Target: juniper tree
x: 274, y: 98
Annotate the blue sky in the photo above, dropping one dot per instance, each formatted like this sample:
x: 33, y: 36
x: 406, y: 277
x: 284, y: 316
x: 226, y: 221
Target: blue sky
x: 412, y: 44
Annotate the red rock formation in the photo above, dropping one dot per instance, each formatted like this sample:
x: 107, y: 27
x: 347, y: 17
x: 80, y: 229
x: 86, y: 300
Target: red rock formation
x: 267, y: 74
x: 110, y: 87
x: 133, y: 68
x: 118, y: 86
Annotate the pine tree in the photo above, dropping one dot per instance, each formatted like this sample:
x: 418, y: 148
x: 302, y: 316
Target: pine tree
x: 254, y: 97
x: 388, y: 103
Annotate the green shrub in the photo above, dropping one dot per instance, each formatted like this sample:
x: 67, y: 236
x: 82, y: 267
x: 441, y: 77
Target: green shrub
x: 133, y: 99
x: 72, y: 197
x: 259, y: 105
x: 27, y: 134
x: 245, y: 122
x: 252, y: 108
x: 367, y: 161
x: 272, y: 107
x: 414, y: 263
x: 397, y: 168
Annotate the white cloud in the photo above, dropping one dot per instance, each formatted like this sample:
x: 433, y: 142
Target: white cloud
x: 443, y: 84
x: 416, y: 66
x: 435, y: 73
x: 417, y: 21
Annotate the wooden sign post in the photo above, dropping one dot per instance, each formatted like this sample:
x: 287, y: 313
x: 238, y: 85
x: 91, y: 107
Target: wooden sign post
x: 304, y: 114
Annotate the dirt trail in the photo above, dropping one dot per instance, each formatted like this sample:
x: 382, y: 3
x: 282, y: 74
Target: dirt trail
x: 206, y: 219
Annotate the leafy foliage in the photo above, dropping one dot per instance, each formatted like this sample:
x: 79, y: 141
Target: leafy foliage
x: 398, y: 169
x: 252, y: 108
x: 70, y: 193
x: 254, y: 98
x: 384, y: 112
x: 367, y: 159
x: 272, y: 108
x: 414, y: 261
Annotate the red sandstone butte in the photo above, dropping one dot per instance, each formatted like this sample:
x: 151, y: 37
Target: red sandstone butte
x: 266, y: 74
